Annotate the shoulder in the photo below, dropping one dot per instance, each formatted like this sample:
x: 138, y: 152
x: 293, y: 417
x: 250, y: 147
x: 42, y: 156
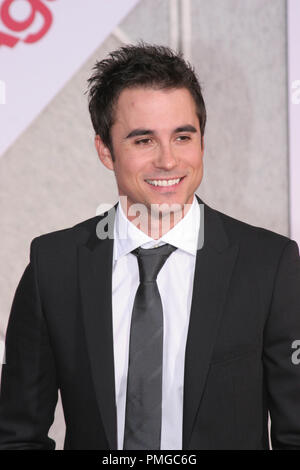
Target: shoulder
x: 256, y: 240
x: 65, y: 239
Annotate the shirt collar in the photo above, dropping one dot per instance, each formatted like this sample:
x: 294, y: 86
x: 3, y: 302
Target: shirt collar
x: 184, y: 235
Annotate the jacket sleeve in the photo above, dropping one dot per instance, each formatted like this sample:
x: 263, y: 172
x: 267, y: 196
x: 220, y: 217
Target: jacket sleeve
x: 29, y: 391
x: 282, y: 371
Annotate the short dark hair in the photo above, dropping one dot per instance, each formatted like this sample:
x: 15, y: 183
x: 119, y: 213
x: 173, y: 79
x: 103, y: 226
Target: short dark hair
x: 141, y: 65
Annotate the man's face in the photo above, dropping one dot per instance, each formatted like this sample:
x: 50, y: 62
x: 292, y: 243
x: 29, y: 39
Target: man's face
x: 156, y: 139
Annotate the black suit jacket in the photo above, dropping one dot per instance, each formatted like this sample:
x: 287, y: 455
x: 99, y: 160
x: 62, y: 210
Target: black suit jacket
x: 245, y: 315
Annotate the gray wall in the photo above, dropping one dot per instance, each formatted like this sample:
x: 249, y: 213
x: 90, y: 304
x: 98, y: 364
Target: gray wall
x: 51, y: 177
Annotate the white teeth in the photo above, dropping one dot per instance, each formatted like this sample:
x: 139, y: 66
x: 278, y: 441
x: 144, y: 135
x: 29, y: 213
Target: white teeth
x: 163, y: 182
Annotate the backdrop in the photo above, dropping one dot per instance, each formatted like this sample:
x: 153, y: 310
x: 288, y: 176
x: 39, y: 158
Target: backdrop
x: 50, y: 175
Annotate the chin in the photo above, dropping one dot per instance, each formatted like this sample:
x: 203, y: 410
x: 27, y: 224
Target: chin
x: 173, y: 205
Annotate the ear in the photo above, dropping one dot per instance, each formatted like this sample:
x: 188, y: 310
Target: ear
x: 104, y: 153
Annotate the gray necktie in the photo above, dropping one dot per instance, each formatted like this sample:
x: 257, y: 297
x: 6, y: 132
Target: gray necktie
x: 144, y: 381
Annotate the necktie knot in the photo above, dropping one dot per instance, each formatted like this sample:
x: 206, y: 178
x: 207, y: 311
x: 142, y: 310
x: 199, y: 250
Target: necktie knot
x: 151, y: 261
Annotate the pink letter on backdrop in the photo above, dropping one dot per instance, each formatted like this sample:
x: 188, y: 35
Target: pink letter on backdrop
x: 42, y: 44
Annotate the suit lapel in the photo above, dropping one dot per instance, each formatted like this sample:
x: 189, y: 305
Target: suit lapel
x: 95, y: 278
x: 213, y: 269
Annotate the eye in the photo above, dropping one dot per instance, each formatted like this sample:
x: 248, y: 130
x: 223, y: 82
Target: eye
x: 144, y: 141
x: 183, y: 138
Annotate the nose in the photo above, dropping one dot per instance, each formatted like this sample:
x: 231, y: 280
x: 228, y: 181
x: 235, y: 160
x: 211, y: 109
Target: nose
x: 165, y: 158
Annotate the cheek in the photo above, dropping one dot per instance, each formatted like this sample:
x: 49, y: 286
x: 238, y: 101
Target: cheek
x: 197, y: 159
x: 133, y: 169
x: 128, y: 172
x: 194, y: 161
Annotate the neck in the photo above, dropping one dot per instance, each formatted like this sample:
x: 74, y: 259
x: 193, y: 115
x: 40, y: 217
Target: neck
x: 155, y: 220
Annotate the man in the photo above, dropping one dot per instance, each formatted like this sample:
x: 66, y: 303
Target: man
x: 157, y: 337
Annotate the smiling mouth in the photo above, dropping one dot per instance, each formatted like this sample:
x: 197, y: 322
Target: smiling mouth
x: 165, y: 183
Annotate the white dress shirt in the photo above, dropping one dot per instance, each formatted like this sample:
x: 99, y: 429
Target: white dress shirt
x: 175, y: 284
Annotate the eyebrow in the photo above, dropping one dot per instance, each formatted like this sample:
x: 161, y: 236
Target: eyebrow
x: 139, y: 132
x: 186, y: 128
